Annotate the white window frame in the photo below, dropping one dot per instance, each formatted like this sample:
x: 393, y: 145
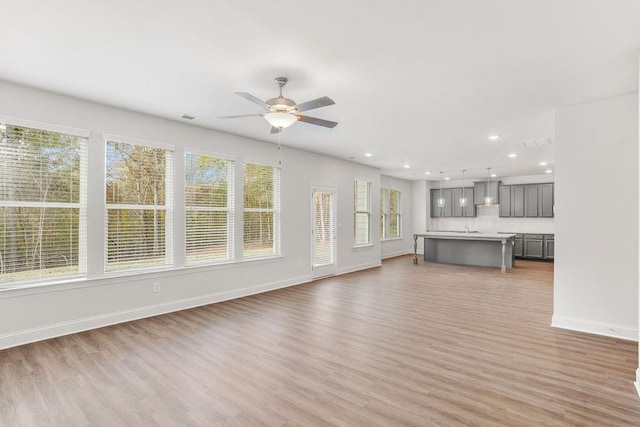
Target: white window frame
x: 167, y: 208
x: 81, y: 205
x: 357, y: 212
x: 229, y: 209
x: 276, y: 211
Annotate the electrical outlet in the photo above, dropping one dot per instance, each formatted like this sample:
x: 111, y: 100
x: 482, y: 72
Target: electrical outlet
x: 156, y: 287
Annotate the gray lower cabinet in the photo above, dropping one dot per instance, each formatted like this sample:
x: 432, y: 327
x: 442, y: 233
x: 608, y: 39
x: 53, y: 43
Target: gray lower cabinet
x: 518, y: 247
x: 533, y: 246
x: 505, y: 201
x: 549, y: 246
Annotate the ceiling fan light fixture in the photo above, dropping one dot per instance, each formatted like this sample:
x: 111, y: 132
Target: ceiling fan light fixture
x: 280, y: 119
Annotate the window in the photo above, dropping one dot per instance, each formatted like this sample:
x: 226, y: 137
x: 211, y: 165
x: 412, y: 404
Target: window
x: 209, y: 198
x: 384, y: 212
x: 361, y: 213
x: 261, y: 210
x: 139, y: 180
x: 390, y: 214
x: 43, y: 176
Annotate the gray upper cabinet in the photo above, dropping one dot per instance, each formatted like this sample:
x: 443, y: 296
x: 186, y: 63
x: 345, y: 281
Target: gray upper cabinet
x: 531, y: 201
x: 517, y: 200
x: 545, y: 200
x: 456, y: 209
x: 470, y: 209
x: 452, y: 206
x: 447, y: 194
x: 505, y: 201
x: 478, y: 192
x: 436, y: 212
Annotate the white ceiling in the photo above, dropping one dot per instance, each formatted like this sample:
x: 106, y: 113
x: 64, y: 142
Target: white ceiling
x: 421, y: 82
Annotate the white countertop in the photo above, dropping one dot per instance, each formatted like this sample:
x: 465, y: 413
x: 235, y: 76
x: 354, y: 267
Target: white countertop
x: 463, y: 236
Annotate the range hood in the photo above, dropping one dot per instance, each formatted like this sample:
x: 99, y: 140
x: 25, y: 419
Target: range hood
x: 480, y: 192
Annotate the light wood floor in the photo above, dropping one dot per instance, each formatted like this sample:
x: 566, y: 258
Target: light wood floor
x: 397, y: 345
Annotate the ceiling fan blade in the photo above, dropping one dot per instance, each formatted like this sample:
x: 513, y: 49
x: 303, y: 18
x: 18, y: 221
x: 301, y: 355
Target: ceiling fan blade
x: 275, y: 129
x: 316, y: 103
x: 316, y: 121
x: 241, y: 115
x: 253, y: 99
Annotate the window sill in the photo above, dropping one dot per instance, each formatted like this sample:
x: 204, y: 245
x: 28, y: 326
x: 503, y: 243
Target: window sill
x: 391, y: 239
x: 365, y: 245
x: 9, y: 290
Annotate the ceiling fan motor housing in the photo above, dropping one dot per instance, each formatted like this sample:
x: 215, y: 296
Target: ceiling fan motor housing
x: 282, y: 104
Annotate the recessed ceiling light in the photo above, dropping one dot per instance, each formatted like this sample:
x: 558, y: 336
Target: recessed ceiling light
x: 446, y: 178
x: 368, y: 154
x: 406, y: 166
x: 493, y: 175
x: 549, y: 171
x: 543, y: 163
x: 512, y: 155
x: 427, y: 173
x: 494, y: 137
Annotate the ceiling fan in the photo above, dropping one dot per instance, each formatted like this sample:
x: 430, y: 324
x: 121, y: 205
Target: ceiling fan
x: 283, y: 112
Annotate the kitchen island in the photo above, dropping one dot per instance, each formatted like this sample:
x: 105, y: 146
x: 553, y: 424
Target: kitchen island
x: 467, y: 248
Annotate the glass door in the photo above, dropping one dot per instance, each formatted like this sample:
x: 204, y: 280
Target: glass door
x: 323, y: 234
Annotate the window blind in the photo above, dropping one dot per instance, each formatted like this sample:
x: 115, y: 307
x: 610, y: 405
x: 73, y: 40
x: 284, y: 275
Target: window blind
x: 384, y: 212
x: 139, y: 180
x: 362, y: 213
x: 394, y: 214
x: 43, y: 181
x: 324, y: 248
x: 209, y: 201
x: 390, y: 214
x: 261, y: 232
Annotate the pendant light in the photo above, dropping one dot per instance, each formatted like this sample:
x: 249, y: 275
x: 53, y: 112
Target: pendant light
x: 463, y: 200
x: 441, y: 200
x: 488, y: 199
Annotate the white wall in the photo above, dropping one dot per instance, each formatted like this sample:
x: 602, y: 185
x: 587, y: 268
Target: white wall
x: 420, y: 221
x: 28, y: 314
x: 394, y: 247
x: 596, y: 223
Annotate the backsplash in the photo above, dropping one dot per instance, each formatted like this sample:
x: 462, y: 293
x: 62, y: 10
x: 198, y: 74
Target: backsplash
x: 487, y: 220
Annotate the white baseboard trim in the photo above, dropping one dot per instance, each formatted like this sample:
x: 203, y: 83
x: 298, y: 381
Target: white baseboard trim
x: 593, y: 327
x: 354, y: 268
x: 71, y: 327
x: 637, y: 383
x: 397, y: 253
